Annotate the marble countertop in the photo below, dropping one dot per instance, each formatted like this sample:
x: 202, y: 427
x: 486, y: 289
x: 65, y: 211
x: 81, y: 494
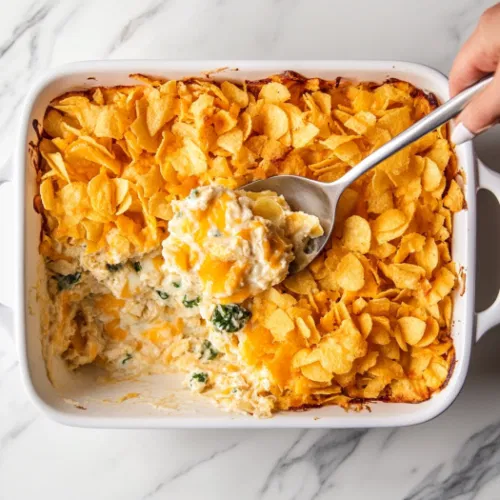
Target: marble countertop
x: 455, y: 456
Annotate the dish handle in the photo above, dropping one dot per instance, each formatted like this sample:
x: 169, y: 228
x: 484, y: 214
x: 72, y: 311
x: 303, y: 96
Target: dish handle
x: 6, y: 313
x: 490, y: 317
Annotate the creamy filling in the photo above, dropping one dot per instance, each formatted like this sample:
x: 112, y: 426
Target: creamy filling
x: 186, y: 305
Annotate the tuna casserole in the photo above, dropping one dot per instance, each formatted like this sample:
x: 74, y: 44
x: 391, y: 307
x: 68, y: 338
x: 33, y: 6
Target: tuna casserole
x: 156, y: 260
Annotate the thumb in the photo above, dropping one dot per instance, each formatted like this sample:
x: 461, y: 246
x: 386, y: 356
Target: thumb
x: 480, y: 114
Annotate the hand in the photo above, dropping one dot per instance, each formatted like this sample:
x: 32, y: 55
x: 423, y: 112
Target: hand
x: 479, y: 56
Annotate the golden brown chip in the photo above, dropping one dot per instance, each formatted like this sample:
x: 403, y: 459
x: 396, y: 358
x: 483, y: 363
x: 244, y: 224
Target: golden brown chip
x: 112, y: 121
x: 231, y: 141
x: 235, y: 94
x: 440, y: 153
x: 365, y: 324
x: 274, y: 93
x: 350, y: 273
x: 410, y: 243
x: 389, y: 225
x: 279, y: 323
x: 428, y: 257
x: 141, y: 129
x: 412, y: 329
x: 301, y: 283
x: 274, y: 121
x: 316, y: 372
x: 102, y: 194
x: 443, y: 284
x: 431, y: 333
x: 454, y: 199
x: 403, y: 275
x: 357, y: 234
x: 270, y: 209
x: 432, y: 176
x: 47, y: 194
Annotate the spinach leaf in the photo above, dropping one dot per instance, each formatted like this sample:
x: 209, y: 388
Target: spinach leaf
x: 310, y: 246
x: 163, y: 295
x: 112, y: 268
x: 137, y: 266
x: 215, y: 233
x: 191, y: 303
x: 200, y: 377
x: 208, y: 351
x: 65, y: 281
x: 176, y: 284
x: 127, y: 357
x: 230, y: 318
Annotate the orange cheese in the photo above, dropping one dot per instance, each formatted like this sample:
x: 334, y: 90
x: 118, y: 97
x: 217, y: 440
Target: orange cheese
x: 257, y: 345
x: 278, y: 249
x: 183, y: 189
x: 126, y: 293
x: 182, y: 258
x: 261, y: 349
x: 157, y: 334
x: 113, y: 330
x: 235, y: 278
x: 214, y: 272
x: 109, y: 304
x: 237, y: 297
x: 158, y: 262
x: 213, y: 216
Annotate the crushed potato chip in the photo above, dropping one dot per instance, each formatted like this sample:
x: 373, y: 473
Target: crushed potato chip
x: 357, y: 235
x: 390, y: 225
x: 350, y: 273
x: 413, y: 329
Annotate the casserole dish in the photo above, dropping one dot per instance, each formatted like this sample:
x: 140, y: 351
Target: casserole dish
x: 79, y: 399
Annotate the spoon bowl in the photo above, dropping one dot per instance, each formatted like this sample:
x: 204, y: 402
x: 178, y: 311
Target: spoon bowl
x: 309, y: 196
x: 320, y: 198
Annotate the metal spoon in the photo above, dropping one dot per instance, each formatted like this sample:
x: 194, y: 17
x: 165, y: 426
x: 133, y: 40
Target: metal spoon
x: 321, y: 198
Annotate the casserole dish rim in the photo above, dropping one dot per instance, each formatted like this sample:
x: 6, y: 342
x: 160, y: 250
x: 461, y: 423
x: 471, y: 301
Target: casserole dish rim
x: 429, y: 409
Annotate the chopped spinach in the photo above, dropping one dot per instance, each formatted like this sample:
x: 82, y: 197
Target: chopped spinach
x: 230, y: 318
x: 191, y: 303
x: 310, y: 246
x: 137, y: 266
x: 194, y: 193
x: 65, y: 281
x: 200, y: 377
x: 163, y: 295
x: 208, y: 351
x: 176, y: 284
x: 127, y: 357
x: 112, y: 268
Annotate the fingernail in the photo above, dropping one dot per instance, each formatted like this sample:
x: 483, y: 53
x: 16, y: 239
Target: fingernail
x: 461, y: 134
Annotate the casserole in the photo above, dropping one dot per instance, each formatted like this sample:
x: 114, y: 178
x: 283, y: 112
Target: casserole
x: 81, y: 400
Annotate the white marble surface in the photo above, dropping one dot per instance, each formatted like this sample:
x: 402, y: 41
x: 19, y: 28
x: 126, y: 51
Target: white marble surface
x: 456, y: 456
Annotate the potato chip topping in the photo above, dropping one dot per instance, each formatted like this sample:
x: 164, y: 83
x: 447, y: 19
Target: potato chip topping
x: 155, y: 261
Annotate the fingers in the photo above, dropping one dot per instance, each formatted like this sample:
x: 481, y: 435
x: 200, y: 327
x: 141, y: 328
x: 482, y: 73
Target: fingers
x: 480, y: 55
x: 480, y: 114
x: 470, y: 65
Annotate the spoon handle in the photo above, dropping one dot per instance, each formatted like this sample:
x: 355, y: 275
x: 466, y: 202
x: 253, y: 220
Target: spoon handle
x: 433, y: 120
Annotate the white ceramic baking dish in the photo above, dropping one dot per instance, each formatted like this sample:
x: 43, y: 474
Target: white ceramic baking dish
x: 78, y: 399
